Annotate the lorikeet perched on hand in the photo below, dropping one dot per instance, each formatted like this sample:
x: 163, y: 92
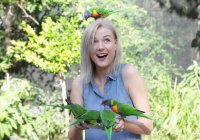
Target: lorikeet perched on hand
x: 97, y: 13
x: 91, y: 117
x: 108, y: 121
x: 76, y: 109
x: 83, y: 115
x: 124, y: 109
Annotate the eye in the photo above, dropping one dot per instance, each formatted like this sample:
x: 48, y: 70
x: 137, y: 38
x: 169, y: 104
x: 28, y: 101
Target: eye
x: 107, y: 40
x: 95, y: 41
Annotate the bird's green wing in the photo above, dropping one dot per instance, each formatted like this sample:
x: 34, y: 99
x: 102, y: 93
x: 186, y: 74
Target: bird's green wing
x: 76, y: 109
x: 108, y: 118
x: 127, y: 110
x: 77, y: 122
x: 104, y: 12
x: 108, y: 121
x: 90, y: 117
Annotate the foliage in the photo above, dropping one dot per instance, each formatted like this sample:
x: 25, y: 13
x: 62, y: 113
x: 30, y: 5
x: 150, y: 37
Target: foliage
x: 193, y: 77
x: 12, y: 12
x: 142, y: 46
x: 186, y: 8
x: 5, y: 63
x: 15, y: 118
x: 9, y: 1
x: 176, y: 106
x: 55, y: 49
x: 51, y: 8
x: 21, y: 115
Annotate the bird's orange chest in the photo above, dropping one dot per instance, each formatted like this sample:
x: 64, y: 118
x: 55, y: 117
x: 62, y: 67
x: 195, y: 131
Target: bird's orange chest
x: 115, y: 109
x: 95, y: 14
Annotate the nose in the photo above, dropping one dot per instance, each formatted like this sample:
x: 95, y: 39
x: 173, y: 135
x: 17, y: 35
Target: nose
x: 100, y: 45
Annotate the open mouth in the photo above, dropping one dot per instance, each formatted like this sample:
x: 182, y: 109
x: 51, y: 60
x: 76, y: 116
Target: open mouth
x: 102, y: 56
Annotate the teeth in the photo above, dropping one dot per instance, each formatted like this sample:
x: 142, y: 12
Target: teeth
x: 100, y: 55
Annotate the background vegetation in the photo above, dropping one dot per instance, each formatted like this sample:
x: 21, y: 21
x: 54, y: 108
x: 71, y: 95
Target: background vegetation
x: 41, y: 39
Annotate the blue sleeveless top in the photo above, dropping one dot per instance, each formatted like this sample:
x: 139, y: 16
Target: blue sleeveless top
x: 92, y: 98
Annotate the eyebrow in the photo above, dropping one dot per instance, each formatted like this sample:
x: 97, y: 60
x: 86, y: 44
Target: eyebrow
x: 105, y: 36
x: 108, y: 36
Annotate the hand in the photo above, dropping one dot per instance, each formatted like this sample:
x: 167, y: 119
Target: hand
x: 120, y: 125
x: 81, y: 126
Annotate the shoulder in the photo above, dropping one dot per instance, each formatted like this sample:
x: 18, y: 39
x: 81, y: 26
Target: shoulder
x: 131, y: 76
x: 76, y: 90
x: 77, y: 84
x: 129, y: 71
x: 78, y: 80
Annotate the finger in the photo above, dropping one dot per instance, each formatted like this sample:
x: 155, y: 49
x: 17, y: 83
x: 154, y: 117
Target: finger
x: 117, y: 126
x: 120, y: 126
x: 80, y: 126
x: 118, y: 130
x: 117, y: 121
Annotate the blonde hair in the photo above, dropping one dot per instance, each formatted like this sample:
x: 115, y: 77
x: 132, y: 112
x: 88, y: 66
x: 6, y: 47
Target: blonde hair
x: 87, y: 66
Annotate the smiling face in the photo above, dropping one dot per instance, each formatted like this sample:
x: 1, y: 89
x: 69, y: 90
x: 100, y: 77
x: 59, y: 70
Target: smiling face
x: 102, y: 51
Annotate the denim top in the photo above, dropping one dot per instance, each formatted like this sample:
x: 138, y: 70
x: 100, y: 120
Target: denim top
x: 92, y: 97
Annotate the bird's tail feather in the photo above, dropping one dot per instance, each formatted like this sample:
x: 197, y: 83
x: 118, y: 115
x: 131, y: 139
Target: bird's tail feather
x: 109, y: 132
x: 140, y: 111
x: 145, y: 116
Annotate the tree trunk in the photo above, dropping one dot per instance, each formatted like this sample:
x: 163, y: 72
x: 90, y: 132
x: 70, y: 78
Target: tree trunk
x: 198, y: 39
x: 64, y: 96
x: 7, y: 24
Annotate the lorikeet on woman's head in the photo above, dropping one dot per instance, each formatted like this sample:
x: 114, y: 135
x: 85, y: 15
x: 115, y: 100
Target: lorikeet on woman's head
x: 97, y: 13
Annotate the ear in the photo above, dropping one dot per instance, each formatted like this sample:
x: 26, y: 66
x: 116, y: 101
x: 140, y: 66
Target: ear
x: 115, y: 41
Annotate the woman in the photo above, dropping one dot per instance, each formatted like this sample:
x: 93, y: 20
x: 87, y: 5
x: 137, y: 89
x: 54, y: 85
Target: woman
x: 103, y: 77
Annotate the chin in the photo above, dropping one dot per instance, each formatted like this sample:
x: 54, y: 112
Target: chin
x: 105, y: 65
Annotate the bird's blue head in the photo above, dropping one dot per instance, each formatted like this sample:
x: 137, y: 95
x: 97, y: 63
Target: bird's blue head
x: 106, y: 102
x: 87, y: 15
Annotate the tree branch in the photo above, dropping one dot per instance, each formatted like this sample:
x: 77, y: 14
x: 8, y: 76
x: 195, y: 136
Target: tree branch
x: 27, y: 15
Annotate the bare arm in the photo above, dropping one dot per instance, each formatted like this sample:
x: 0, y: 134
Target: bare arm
x: 137, y: 90
x: 75, y: 133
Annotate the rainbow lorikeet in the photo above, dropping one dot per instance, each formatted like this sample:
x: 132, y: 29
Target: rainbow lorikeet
x: 124, y: 109
x: 76, y: 109
x: 108, y: 122
x: 97, y: 13
x: 83, y: 115
x: 91, y: 117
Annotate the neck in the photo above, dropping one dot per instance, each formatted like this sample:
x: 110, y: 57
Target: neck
x: 101, y: 74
